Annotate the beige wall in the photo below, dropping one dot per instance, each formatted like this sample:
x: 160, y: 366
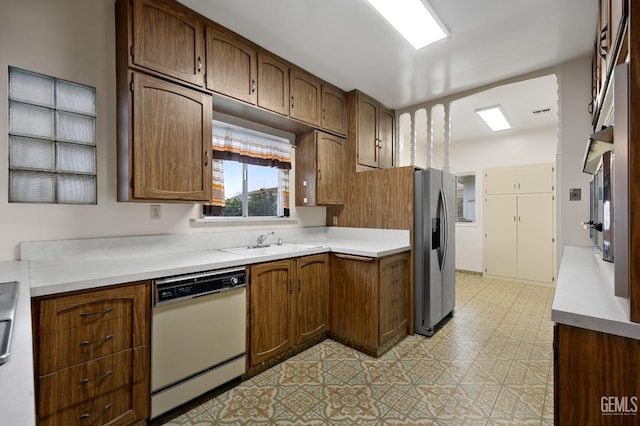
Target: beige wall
x: 75, y: 40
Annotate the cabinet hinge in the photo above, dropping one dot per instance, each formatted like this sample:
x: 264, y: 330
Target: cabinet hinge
x: 131, y: 51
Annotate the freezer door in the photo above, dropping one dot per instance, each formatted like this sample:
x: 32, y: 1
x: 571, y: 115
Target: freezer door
x: 449, y: 264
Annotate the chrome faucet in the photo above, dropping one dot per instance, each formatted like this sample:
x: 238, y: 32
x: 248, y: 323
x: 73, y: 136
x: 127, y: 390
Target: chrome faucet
x: 262, y: 238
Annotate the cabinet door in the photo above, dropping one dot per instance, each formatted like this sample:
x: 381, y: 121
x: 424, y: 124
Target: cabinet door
x: 231, y: 65
x: 394, y: 285
x: 536, y: 178
x: 500, y: 181
x: 334, y: 110
x: 354, y: 300
x: 367, y: 131
x: 312, y: 297
x: 535, y: 237
x: 501, y: 235
x: 331, y: 175
x: 273, y: 87
x: 171, y: 141
x: 270, y: 301
x: 385, y: 138
x: 167, y: 38
x: 306, y: 95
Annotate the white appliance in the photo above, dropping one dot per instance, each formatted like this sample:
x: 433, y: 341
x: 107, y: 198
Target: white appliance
x: 198, y: 335
x: 434, y: 248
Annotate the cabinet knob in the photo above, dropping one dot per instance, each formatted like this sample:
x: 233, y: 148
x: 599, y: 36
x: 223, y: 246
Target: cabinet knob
x: 199, y: 64
x: 292, y: 101
x: 253, y: 85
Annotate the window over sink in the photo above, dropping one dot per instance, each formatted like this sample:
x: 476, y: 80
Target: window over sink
x: 250, y: 173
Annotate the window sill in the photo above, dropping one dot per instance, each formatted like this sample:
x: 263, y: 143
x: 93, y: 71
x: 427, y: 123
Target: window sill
x: 242, y: 221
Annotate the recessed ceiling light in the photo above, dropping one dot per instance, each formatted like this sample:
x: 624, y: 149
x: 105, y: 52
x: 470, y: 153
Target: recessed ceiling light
x: 494, y: 117
x: 412, y: 19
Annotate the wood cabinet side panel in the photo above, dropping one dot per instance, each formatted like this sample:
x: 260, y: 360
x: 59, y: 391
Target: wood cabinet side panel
x: 592, y: 366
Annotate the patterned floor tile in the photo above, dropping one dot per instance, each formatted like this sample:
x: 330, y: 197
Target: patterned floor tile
x: 489, y: 364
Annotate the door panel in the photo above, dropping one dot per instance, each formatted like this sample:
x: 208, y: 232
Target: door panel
x: 271, y: 312
x: 273, y: 87
x: 537, y: 178
x: 501, y: 235
x: 535, y: 234
x: 331, y: 176
x: 385, y: 136
x: 312, y: 301
x: 500, y: 181
x: 367, y: 131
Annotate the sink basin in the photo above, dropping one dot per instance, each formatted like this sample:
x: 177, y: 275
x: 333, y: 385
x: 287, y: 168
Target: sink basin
x: 8, y: 300
x: 269, y: 250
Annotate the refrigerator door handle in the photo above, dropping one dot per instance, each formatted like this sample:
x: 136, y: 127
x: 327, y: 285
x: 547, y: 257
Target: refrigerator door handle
x: 444, y: 223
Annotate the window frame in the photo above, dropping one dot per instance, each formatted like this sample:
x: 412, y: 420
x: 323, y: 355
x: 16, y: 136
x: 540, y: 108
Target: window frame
x: 475, y: 203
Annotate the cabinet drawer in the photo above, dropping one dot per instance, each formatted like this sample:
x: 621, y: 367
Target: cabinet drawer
x: 87, y: 314
x: 76, y: 345
x: 116, y: 407
x: 89, y: 380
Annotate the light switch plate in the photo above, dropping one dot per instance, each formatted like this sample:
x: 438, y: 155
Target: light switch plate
x: 575, y: 194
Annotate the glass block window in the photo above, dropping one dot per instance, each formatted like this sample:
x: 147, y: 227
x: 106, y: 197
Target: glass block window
x: 52, y: 140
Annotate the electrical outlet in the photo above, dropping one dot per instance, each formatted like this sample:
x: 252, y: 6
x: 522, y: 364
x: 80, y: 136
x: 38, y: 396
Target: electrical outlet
x: 155, y: 211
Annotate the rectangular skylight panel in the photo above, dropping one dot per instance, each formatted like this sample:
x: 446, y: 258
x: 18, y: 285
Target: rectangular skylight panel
x: 494, y: 117
x: 412, y: 20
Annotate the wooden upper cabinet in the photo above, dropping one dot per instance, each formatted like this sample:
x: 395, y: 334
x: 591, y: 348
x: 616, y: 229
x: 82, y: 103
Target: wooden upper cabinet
x: 168, y: 38
x: 373, y: 129
x: 232, y: 65
x: 320, y: 171
x: 306, y: 96
x: 367, y: 131
x: 273, y: 87
x: 171, y: 146
x: 334, y: 110
x: 386, y: 119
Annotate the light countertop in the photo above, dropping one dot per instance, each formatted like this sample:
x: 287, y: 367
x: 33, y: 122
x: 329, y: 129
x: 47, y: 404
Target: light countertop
x: 17, y: 400
x: 62, y: 266
x: 585, y: 297
x: 51, y: 267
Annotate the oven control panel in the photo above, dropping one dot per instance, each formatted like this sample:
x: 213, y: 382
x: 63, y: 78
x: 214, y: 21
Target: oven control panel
x: 173, y: 289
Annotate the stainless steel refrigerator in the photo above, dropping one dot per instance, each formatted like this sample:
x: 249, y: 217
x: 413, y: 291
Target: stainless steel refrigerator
x: 434, y: 248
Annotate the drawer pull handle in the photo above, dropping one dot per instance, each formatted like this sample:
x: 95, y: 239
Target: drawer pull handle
x: 88, y: 314
x: 95, y: 379
x: 106, y: 407
x: 87, y: 415
x: 89, y: 342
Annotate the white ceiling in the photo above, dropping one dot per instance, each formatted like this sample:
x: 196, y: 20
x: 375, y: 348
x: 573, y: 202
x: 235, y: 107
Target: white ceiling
x: 347, y: 44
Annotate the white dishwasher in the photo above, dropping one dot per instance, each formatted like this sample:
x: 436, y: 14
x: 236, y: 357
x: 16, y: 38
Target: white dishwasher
x: 198, y: 335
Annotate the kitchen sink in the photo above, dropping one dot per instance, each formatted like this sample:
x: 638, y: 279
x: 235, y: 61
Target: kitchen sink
x: 8, y: 300
x: 267, y: 250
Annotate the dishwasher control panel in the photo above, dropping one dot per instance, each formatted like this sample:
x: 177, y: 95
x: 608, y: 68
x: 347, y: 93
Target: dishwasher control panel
x: 174, y: 289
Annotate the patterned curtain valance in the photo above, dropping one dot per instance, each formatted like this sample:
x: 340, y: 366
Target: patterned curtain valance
x: 247, y: 146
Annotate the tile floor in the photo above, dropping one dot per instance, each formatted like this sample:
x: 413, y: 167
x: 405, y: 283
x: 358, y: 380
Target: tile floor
x: 491, y: 364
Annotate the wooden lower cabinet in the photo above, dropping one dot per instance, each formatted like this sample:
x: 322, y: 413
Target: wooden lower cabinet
x: 369, y: 300
x: 596, y: 380
x: 288, y: 304
x: 92, y: 356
